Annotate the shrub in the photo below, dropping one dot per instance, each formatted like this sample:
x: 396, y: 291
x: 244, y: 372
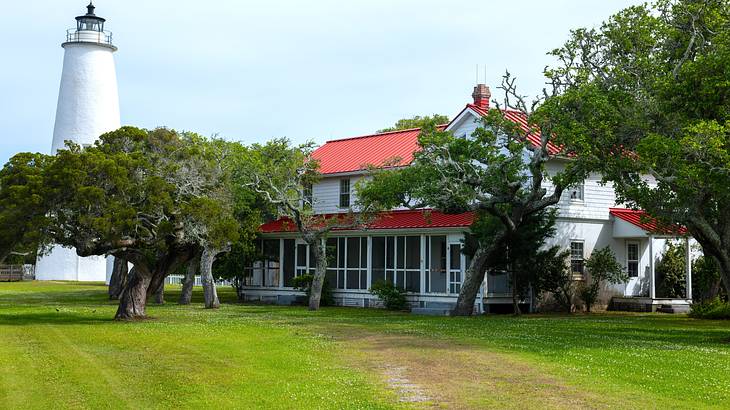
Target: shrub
x: 393, y: 297
x: 602, y: 268
x: 304, y: 284
x: 711, y: 309
x: 706, y: 280
x: 671, y: 272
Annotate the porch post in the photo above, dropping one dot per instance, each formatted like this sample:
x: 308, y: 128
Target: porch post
x: 281, y: 262
x: 689, y: 268
x: 370, y: 262
x: 652, y: 279
x: 423, y: 264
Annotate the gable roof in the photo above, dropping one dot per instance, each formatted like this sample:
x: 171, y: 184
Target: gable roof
x: 642, y: 220
x: 357, y: 153
x: 406, y: 219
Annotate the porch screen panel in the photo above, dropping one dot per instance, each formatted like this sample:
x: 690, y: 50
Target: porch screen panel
x: 271, y: 263
x: 301, y: 259
x: 413, y: 264
x: 378, y: 269
x: 363, y: 262
x: 437, y: 264
x: 288, y: 262
x: 341, y: 257
x: 331, y: 276
x: 400, y: 263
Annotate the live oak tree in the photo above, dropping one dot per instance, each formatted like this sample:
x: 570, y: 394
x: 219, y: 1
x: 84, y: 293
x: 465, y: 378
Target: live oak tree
x: 284, y: 175
x: 416, y: 122
x: 23, y: 204
x: 500, y: 169
x: 647, y: 97
x: 149, y: 197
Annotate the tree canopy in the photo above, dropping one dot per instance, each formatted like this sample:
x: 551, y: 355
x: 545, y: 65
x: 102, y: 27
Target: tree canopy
x: 647, y: 98
x: 416, y: 122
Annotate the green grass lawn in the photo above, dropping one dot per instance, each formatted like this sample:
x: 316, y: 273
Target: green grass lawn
x: 59, y: 348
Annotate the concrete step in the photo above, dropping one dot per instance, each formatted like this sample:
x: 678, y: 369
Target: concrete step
x: 674, y: 309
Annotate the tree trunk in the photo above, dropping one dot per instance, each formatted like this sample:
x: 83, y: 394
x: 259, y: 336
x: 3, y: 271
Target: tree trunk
x: 133, y: 299
x: 515, y: 291
x: 187, y: 287
x: 118, y: 279
x: 144, y: 279
x: 210, y: 294
x: 320, y: 256
x: 473, y: 279
x: 160, y: 293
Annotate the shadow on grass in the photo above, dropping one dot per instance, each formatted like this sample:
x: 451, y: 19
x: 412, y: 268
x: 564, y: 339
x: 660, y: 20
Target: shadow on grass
x: 51, y: 318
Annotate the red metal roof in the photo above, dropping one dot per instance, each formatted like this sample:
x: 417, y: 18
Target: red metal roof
x: 409, y: 219
x: 642, y: 220
x: 395, y: 148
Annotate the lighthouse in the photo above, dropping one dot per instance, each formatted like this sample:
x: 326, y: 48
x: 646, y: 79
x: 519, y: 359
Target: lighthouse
x: 88, y: 106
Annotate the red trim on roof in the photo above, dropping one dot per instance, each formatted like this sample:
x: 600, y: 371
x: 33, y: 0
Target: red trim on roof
x: 642, y: 220
x: 410, y: 219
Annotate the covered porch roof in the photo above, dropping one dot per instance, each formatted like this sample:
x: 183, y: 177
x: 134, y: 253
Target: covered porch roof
x: 631, y: 223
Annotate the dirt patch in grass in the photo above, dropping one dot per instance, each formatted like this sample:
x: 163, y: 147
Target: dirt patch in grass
x: 432, y: 373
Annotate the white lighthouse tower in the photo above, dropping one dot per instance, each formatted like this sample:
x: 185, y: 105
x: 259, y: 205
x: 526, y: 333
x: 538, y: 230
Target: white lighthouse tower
x: 88, y: 106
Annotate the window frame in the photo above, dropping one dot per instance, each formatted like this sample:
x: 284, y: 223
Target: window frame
x: 637, y: 260
x: 573, y: 259
x: 581, y: 189
x: 345, y: 195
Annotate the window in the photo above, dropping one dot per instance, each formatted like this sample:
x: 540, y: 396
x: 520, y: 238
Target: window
x: 345, y: 193
x: 576, y: 192
x: 347, y: 262
x: 265, y: 271
x: 576, y: 257
x: 397, y: 259
x: 307, y: 192
x: 632, y: 259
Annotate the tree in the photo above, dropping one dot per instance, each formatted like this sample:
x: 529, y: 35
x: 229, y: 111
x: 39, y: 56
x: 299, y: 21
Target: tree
x: 150, y: 197
x: 671, y: 272
x: 284, y: 174
x: 647, y: 97
x: 23, y: 204
x: 601, y: 268
x: 499, y: 169
x: 520, y: 252
x: 118, y: 278
x: 706, y: 280
x: 416, y: 122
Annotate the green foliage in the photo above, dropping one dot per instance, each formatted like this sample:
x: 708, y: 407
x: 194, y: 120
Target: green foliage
x: 711, y: 309
x: 671, y: 272
x: 416, y: 122
x: 393, y: 297
x: 552, y: 274
x: 706, y: 280
x: 601, y: 268
x: 24, y: 204
x: 304, y: 283
x: 647, y: 93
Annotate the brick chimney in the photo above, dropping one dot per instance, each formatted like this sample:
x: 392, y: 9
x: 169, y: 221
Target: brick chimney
x: 481, y: 96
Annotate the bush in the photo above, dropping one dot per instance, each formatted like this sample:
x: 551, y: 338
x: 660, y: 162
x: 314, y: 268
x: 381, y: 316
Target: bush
x: 393, y: 297
x: 711, y: 309
x: 304, y: 284
x: 601, y: 268
x: 671, y: 272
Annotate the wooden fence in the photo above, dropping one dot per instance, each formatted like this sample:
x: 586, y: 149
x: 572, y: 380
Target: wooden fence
x: 13, y: 273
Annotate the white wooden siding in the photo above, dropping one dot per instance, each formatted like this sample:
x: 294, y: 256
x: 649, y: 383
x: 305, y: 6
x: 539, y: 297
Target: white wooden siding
x: 326, y: 194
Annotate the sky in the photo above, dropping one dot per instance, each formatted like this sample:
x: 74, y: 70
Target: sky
x: 255, y: 70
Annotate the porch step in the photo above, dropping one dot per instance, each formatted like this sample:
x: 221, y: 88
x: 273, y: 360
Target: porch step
x: 674, y: 309
x: 431, y: 311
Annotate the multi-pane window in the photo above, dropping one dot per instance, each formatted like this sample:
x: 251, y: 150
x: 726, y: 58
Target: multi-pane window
x: 576, y: 257
x: 347, y: 262
x: 265, y: 272
x: 576, y: 192
x: 345, y: 193
x: 632, y: 259
x: 397, y: 259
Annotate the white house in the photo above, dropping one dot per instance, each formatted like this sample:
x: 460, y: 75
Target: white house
x: 420, y: 250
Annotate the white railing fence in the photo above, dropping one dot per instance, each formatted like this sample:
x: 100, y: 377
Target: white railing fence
x: 178, y: 280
